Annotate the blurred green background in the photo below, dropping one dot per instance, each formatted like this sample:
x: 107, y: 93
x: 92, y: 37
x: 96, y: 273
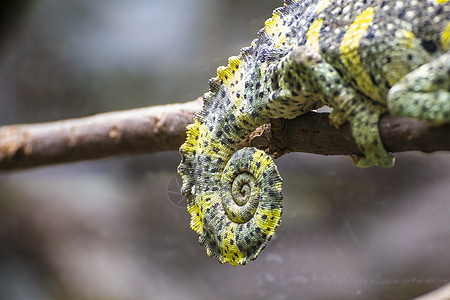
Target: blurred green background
x: 113, y: 228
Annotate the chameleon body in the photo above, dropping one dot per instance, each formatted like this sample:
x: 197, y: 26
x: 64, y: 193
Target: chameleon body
x: 361, y: 58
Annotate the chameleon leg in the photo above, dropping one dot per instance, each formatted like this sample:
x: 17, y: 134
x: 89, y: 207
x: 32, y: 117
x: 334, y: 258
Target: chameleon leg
x: 363, y: 116
x: 364, y: 125
x: 424, y: 93
x: 349, y: 105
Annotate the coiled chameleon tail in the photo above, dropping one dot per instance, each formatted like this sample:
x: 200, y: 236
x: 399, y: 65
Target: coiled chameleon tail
x: 236, y: 221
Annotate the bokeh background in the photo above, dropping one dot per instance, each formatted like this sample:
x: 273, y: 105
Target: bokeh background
x: 117, y: 228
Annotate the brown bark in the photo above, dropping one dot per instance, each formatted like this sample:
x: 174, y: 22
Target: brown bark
x: 162, y: 128
x: 144, y: 130
x: 312, y: 133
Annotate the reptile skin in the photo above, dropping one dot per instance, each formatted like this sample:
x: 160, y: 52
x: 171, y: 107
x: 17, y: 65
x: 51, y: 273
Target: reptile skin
x: 361, y: 58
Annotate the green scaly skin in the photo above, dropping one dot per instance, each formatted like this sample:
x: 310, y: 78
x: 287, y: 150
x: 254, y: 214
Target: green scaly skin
x: 361, y: 58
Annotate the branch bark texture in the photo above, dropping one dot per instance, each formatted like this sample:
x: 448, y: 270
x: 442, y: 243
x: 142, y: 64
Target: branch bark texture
x: 144, y: 130
x: 162, y: 128
x: 312, y: 133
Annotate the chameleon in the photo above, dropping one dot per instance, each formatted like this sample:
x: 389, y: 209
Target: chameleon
x: 362, y: 58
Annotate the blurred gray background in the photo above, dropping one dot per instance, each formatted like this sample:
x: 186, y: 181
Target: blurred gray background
x: 113, y: 228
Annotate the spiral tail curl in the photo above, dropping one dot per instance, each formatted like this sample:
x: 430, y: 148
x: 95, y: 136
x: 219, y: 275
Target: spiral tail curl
x: 234, y: 199
x: 236, y: 222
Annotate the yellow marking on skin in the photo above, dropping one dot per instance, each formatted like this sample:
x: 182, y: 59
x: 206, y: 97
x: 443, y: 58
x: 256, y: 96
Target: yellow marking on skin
x: 192, y: 130
x: 441, y: 1
x: 397, y: 71
x: 272, y: 23
x: 196, y: 221
x: 408, y: 39
x: 276, y: 30
x: 273, y: 215
x: 349, y: 53
x: 232, y: 249
x: 233, y: 62
x: 262, y: 70
x: 231, y: 77
x: 313, y: 34
x: 445, y: 37
x: 226, y: 74
x: 223, y: 74
x: 264, y: 163
x: 322, y: 5
x: 197, y: 134
x: 197, y: 213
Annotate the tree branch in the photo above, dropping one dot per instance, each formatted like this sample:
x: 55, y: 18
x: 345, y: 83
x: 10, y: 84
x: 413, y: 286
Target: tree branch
x: 312, y: 133
x: 162, y: 128
x: 144, y: 130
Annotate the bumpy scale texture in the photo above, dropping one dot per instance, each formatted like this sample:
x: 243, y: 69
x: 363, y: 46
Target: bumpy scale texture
x: 361, y: 58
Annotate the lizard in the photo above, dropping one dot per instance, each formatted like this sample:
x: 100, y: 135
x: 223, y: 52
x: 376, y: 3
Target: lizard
x: 362, y: 58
